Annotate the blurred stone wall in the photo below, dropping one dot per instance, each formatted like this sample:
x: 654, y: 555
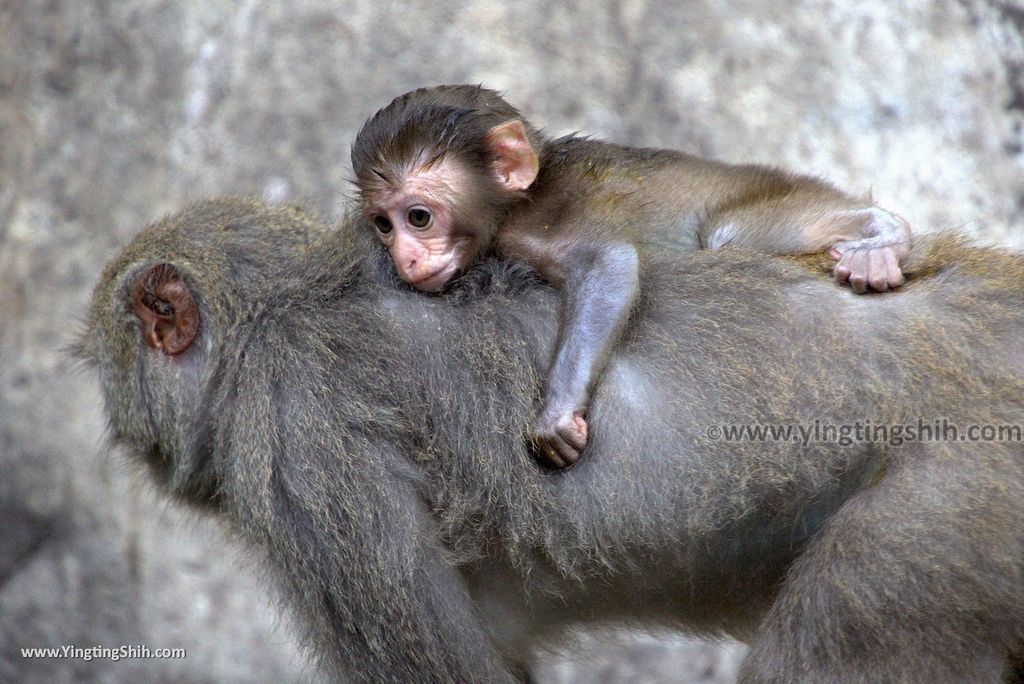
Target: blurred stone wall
x: 113, y: 113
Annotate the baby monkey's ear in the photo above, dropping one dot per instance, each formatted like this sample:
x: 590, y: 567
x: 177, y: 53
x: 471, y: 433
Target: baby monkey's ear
x: 515, y: 161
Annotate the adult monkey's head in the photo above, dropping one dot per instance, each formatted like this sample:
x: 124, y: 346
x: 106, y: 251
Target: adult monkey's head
x: 437, y: 170
x: 158, y: 311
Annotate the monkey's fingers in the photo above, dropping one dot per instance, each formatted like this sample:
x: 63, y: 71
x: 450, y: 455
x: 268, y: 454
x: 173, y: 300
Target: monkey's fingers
x: 893, y: 273
x: 559, y: 436
x: 567, y: 451
x: 576, y: 433
x: 853, y: 269
x: 570, y: 440
x: 869, y: 269
x: 557, y: 452
x: 876, y: 274
x: 841, y: 271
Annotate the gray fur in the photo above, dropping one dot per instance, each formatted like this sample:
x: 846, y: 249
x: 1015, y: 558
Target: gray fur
x: 369, y: 441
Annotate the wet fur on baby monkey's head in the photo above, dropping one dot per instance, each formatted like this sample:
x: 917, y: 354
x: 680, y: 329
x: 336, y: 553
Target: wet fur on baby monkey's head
x: 437, y: 171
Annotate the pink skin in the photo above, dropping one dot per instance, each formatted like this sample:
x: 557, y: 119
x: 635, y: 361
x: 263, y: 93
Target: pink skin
x: 426, y: 256
x: 873, y: 262
x: 871, y: 268
x: 429, y: 255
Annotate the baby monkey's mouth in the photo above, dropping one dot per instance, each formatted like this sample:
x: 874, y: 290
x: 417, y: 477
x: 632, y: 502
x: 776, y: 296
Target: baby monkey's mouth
x: 437, y: 279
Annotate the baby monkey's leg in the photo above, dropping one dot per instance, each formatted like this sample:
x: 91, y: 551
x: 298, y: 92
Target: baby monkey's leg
x: 811, y: 216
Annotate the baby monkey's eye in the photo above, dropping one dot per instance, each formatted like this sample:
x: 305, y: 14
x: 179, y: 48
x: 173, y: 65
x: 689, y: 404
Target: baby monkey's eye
x: 419, y: 217
x: 383, y: 223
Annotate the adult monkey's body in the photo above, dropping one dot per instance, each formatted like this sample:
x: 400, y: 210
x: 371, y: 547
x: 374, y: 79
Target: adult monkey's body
x: 367, y: 439
x: 450, y: 173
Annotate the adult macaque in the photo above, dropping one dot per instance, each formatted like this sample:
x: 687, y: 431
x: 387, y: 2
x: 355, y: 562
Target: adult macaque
x: 367, y: 441
x: 450, y: 173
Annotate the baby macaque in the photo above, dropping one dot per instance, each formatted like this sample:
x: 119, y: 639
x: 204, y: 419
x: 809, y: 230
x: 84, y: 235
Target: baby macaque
x: 450, y: 174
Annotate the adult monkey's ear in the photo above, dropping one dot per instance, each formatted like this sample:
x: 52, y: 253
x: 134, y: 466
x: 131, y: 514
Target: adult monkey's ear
x: 164, y: 305
x: 515, y: 161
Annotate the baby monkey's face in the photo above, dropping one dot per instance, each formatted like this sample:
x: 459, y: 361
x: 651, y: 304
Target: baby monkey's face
x: 435, y: 217
x: 417, y: 220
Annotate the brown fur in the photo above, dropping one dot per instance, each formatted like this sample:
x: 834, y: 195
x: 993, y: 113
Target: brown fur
x: 589, y: 216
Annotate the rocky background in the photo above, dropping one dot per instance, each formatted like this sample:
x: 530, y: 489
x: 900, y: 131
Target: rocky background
x: 113, y: 113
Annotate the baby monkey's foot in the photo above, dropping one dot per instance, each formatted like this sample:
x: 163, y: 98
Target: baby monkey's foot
x: 560, y: 436
x: 873, y: 263
x: 867, y: 268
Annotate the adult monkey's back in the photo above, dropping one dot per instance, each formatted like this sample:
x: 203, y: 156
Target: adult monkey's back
x: 369, y: 441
